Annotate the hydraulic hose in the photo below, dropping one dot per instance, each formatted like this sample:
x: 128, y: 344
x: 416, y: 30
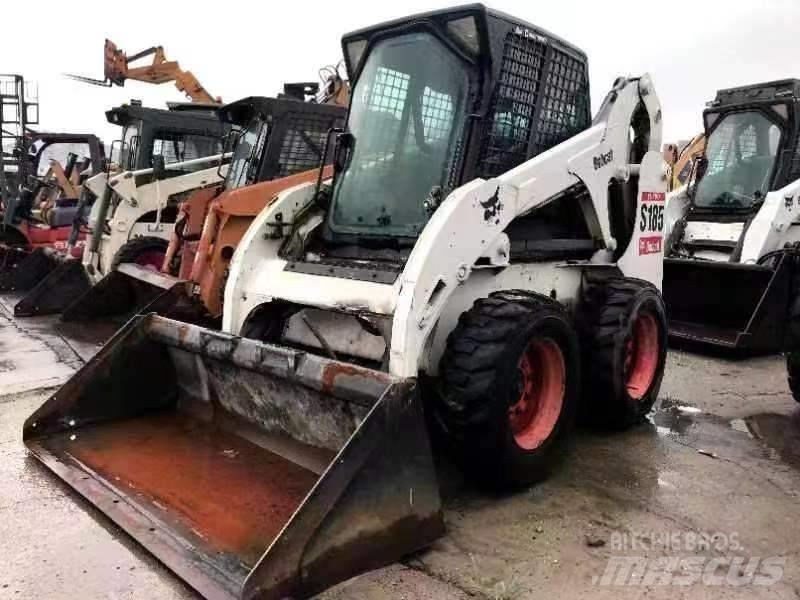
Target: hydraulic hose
x: 97, y: 232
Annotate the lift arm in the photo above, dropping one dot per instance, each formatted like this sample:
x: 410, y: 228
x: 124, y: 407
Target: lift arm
x: 117, y: 68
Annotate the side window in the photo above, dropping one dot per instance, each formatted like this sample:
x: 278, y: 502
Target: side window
x: 59, y: 152
x: 178, y: 147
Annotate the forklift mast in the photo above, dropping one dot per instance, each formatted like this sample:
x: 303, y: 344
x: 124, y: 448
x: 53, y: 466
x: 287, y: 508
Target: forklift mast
x: 19, y: 109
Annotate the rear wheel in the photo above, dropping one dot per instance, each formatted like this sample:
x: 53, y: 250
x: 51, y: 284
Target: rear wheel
x: 508, y: 391
x: 624, y: 340
x: 146, y: 251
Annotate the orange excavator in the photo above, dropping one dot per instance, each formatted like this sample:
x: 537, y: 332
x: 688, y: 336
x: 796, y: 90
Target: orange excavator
x: 117, y: 69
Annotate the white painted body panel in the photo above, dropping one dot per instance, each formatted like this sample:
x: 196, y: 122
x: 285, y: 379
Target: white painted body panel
x: 462, y: 230
x: 135, y: 202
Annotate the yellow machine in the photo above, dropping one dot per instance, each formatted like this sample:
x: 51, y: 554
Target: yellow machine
x: 117, y: 69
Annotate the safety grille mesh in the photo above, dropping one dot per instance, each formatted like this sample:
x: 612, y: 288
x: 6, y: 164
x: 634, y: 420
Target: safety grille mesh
x: 565, y: 110
x: 732, y: 149
x: 532, y: 75
x: 303, y: 143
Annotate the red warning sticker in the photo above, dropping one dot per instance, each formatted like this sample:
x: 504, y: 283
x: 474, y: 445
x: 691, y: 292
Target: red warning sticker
x: 653, y: 196
x: 650, y: 244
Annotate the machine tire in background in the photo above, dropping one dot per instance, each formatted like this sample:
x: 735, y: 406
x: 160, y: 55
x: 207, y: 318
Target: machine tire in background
x: 143, y: 251
x: 624, y: 342
x: 509, y: 381
x: 793, y: 349
x: 793, y: 373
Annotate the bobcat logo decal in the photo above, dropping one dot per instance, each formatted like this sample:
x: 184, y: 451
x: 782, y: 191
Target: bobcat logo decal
x: 492, y: 207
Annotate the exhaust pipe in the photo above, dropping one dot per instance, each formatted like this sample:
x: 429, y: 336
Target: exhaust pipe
x: 250, y: 470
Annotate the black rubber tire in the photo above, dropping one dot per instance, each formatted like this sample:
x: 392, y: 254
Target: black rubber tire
x: 793, y: 373
x: 608, y: 314
x: 131, y: 250
x: 478, y: 382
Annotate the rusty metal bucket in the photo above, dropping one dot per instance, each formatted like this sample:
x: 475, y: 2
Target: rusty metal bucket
x: 60, y: 288
x: 21, y: 270
x: 730, y: 306
x: 250, y: 470
x: 128, y: 290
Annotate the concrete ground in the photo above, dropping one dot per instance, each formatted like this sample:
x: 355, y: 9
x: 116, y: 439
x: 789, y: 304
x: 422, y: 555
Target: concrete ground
x: 720, y: 457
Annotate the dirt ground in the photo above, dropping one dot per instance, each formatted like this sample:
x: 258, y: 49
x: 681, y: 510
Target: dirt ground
x: 720, y: 457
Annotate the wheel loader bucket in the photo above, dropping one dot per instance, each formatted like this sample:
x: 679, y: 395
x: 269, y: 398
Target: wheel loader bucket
x: 65, y: 284
x: 733, y: 306
x: 126, y: 291
x: 22, y: 270
x: 250, y: 470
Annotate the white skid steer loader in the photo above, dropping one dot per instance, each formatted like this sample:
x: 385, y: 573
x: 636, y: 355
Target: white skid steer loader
x: 733, y: 243
x: 484, y: 253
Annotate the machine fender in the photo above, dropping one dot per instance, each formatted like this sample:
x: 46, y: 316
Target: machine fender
x: 256, y: 247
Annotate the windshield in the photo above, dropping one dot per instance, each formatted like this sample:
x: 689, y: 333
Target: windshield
x: 407, y: 117
x: 741, y: 154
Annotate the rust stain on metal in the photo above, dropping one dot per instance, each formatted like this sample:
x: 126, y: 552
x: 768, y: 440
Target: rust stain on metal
x: 234, y: 494
x: 183, y: 331
x: 337, y: 369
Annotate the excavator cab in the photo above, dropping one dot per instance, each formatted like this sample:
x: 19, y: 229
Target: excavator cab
x: 726, y: 282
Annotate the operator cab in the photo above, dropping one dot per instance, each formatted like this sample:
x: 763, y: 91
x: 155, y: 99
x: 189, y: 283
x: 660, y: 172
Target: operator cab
x: 437, y: 101
x: 177, y: 135
x: 276, y: 137
x: 751, y: 137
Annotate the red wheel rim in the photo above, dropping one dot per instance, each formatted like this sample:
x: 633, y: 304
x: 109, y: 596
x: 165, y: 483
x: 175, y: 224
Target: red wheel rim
x: 542, y: 380
x: 641, y: 357
x: 151, y: 259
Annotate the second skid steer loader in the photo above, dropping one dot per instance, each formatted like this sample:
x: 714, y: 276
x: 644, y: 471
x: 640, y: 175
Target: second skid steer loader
x: 731, y: 266
x: 483, y: 250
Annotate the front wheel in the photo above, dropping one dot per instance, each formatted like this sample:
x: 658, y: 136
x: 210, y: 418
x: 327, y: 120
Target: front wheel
x: 509, y: 384
x: 624, y: 340
x: 146, y: 251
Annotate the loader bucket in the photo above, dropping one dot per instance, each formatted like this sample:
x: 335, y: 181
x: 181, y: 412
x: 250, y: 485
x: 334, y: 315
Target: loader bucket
x: 732, y: 306
x: 250, y: 470
x: 65, y: 284
x: 23, y: 270
x: 124, y: 292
